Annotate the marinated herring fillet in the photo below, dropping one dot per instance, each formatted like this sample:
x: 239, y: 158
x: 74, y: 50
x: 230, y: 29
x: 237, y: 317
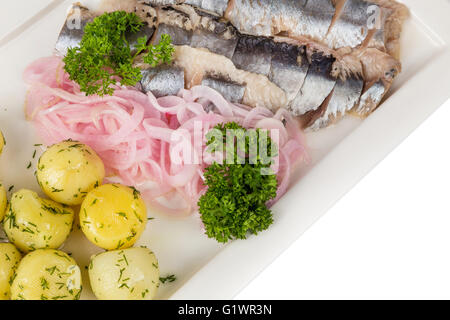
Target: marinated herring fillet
x: 73, y: 30
x: 314, y: 82
x: 336, y: 23
x: 233, y: 92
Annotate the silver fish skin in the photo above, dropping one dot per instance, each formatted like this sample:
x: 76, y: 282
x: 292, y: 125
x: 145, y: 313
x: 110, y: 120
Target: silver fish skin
x: 158, y: 3
x: 351, y: 28
x: 176, y: 24
x: 73, y: 29
x: 232, y: 91
x: 216, y: 36
x: 371, y: 98
x: 289, y: 68
x: 163, y: 80
x: 316, y: 19
x: 217, y: 7
x: 318, y: 84
x: 179, y: 36
x: 345, y: 97
x: 146, y: 32
x: 252, y: 17
x: 254, y: 54
x: 300, y: 18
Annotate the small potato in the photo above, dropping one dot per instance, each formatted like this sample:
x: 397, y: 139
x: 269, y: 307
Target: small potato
x: 113, y: 216
x: 47, y: 274
x: 2, y: 142
x: 67, y: 171
x: 9, y: 260
x: 3, y: 201
x: 130, y: 274
x: 33, y: 223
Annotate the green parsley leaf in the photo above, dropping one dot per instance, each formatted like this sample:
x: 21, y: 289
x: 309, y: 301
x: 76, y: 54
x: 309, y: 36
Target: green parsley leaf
x: 235, y: 203
x: 105, y: 57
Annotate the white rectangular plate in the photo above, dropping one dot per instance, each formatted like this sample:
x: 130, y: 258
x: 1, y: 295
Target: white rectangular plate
x: 341, y: 155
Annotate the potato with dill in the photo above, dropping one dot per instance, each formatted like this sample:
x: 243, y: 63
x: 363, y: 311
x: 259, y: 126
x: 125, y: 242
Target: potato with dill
x: 67, y: 171
x: 9, y: 260
x: 130, y: 274
x: 3, y: 201
x: 33, y: 223
x: 113, y: 216
x: 47, y: 274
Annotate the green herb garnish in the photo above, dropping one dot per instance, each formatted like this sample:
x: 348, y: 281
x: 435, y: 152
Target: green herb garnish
x: 105, y: 57
x: 169, y: 279
x: 235, y: 203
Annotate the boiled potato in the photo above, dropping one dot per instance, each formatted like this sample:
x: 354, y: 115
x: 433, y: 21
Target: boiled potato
x: 9, y: 260
x: 34, y: 223
x: 3, y: 201
x: 129, y: 274
x: 113, y: 216
x: 2, y: 142
x: 67, y: 171
x: 47, y: 274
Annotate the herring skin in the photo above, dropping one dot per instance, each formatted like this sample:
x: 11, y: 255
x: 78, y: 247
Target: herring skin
x: 317, y: 86
x: 351, y: 28
x: 371, y: 98
x: 316, y: 18
x: 163, y: 80
x: 216, y: 36
x: 146, y: 31
x: 179, y: 36
x: 161, y: 2
x: 251, y: 17
x: 300, y: 18
x: 215, y: 6
x: 289, y: 68
x: 218, y: 7
x: 176, y: 24
x: 233, y: 92
x: 253, y: 54
x: 344, y: 98
x: 73, y: 29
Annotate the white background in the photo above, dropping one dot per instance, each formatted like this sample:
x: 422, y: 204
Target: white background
x: 389, y: 238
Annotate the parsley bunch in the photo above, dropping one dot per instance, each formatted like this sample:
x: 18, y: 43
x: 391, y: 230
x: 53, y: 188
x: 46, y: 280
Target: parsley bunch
x: 105, y: 57
x: 235, y: 202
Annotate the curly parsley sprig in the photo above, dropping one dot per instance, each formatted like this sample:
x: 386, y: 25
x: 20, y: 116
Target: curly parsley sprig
x: 105, y: 57
x: 235, y: 203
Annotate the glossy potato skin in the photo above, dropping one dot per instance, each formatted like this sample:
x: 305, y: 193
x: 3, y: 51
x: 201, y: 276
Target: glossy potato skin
x: 3, y: 201
x: 67, y: 171
x: 113, y: 216
x: 47, y: 274
x: 9, y: 260
x: 129, y: 274
x: 33, y: 223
